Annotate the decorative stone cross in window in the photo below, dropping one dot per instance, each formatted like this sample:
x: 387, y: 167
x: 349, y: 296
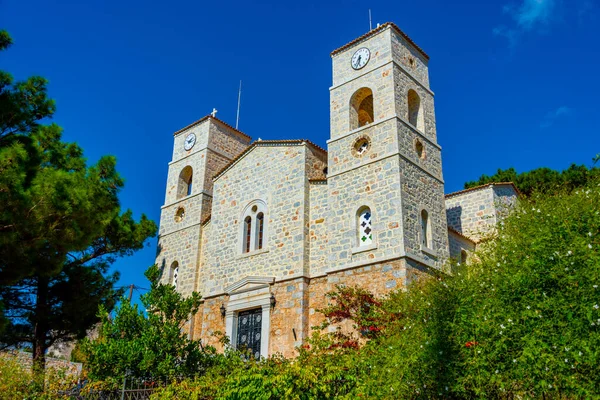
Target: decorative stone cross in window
x: 363, y: 147
x: 214, y: 112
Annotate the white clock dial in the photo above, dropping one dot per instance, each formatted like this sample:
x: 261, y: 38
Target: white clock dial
x: 190, y: 141
x: 360, y: 58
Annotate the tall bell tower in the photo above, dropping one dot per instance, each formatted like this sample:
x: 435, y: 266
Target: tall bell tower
x: 200, y: 150
x: 385, y: 168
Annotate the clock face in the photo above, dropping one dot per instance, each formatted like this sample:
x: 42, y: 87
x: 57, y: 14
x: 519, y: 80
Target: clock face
x: 360, y: 58
x: 190, y: 141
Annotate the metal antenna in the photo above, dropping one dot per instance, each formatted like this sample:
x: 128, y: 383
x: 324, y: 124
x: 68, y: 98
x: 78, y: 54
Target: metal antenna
x: 237, y: 118
x: 370, y: 24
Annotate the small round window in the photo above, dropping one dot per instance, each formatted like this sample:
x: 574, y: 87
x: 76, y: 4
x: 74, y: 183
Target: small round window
x: 179, y: 214
x: 420, y: 149
x: 361, y: 146
x: 254, y: 209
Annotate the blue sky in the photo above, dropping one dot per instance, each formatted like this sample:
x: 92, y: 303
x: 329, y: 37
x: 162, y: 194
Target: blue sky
x: 516, y: 82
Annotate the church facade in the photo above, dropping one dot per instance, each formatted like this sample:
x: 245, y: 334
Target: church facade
x: 264, y: 229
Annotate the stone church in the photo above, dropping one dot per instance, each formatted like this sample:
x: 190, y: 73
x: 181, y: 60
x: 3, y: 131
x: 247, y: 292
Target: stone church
x: 264, y: 229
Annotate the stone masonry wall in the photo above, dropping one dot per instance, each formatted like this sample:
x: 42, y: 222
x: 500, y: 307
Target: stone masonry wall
x: 318, y: 234
x: 182, y: 247
x: 420, y: 191
x: 457, y: 244
x: 376, y: 185
x: 277, y: 175
x: 298, y: 302
x: 403, y: 84
x: 472, y: 213
x: 376, y: 75
x: 410, y: 58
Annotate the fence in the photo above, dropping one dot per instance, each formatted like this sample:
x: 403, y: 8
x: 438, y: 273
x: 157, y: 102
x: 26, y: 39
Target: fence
x: 132, y: 389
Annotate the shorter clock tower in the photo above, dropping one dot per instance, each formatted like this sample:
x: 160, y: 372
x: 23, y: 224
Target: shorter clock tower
x: 200, y: 150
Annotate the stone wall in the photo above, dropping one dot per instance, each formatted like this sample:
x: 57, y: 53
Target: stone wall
x: 26, y: 361
x: 459, y: 243
x: 275, y: 174
x: 318, y: 233
x: 475, y: 212
x: 409, y: 58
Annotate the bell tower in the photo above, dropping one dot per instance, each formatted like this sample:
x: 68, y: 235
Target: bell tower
x: 385, y: 169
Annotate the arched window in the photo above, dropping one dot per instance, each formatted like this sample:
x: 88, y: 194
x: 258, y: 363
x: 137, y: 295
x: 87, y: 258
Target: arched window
x: 247, y: 233
x: 365, y: 227
x: 260, y: 225
x: 425, y: 230
x: 174, y: 275
x: 463, y: 257
x: 254, y: 227
x: 415, y: 113
x: 361, y: 108
x: 184, y: 185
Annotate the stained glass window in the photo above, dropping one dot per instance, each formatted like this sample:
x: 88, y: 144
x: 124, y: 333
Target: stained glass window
x: 174, y: 273
x: 365, y: 229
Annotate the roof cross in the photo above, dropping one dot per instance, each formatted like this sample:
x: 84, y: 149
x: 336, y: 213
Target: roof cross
x: 214, y: 113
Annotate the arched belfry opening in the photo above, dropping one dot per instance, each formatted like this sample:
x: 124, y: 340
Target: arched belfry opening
x: 184, y: 186
x: 415, y: 110
x: 361, y: 108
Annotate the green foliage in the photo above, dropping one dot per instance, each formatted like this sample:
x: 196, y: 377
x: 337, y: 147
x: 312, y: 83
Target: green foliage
x: 544, y: 180
x: 521, y: 320
x: 22, y: 104
x: 18, y: 383
x: 152, y: 345
x: 61, y: 226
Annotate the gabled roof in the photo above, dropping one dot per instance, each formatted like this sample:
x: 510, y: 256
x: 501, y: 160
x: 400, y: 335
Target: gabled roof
x: 451, y: 229
x: 482, y: 187
x: 216, y: 120
x: 377, y: 30
x: 268, y: 143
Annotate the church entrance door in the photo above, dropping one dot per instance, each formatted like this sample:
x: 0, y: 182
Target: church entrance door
x: 249, y: 331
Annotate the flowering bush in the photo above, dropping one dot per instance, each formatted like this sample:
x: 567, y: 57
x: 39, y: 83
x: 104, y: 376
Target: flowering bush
x: 522, y: 320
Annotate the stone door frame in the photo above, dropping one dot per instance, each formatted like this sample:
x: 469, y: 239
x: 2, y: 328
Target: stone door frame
x: 249, y: 293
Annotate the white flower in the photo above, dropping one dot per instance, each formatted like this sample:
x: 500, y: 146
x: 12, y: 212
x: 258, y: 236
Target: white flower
x: 514, y: 360
x: 595, y: 286
x: 529, y: 308
x: 590, y: 246
x: 596, y: 306
x: 566, y: 360
x: 497, y: 371
x: 502, y: 326
x: 549, y: 386
x: 590, y: 234
x: 580, y: 353
x: 509, y: 320
x: 569, y: 252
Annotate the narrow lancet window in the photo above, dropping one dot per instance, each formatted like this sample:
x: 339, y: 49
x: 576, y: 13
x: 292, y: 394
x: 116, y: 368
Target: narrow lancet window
x: 247, y: 233
x: 174, y: 273
x: 365, y: 229
x: 415, y: 113
x: 425, y: 231
x: 463, y: 257
x: 260, y: 222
